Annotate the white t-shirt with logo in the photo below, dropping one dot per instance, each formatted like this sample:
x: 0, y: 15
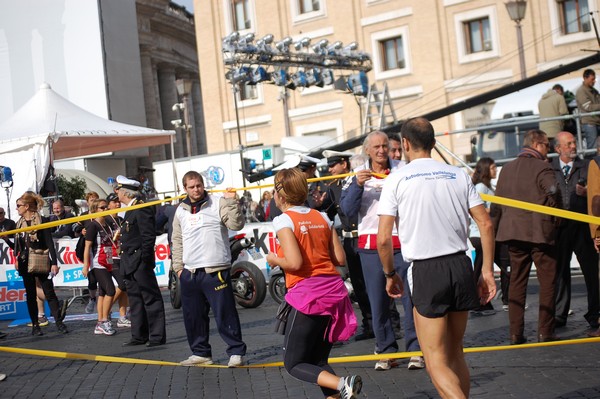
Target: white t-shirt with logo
x: 431, y: 201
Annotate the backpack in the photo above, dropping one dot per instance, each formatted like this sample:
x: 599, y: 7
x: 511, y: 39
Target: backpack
x: 80, y: 248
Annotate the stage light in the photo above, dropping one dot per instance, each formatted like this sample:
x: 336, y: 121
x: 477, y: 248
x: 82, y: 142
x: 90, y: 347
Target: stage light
x: 264, y: 44
x: 245, y: 45
x: 230, y: 42
x: 297, y: 80
x: 335, y: 48
x: 358, y: 83
x: 304, y: 42
x: 313, y: 77
x: 258, y: 75
x: 320, y: 47
x: 327, y: 77
x: 280, y: 77
x: 237, y: 75
x: 284, y: 45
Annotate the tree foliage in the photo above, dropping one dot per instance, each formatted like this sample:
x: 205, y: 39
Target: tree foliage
x: 70, y: 190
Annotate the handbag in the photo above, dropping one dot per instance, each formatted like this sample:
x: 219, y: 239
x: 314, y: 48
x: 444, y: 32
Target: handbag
x: 281, y: 317
x: 38, y: 261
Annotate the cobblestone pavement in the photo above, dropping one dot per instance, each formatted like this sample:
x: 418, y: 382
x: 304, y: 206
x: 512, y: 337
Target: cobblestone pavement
x: 567, y: 371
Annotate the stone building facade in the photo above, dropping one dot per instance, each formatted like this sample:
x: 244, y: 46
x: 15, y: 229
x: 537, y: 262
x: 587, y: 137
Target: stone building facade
x: 168, y: 54
x: 431, y: 53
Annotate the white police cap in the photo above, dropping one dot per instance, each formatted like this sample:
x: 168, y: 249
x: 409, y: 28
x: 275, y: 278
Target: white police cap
x: 125, y: 182
x: 300, y: 161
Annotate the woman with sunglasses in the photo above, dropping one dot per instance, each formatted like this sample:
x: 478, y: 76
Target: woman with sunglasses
x: 27, y: 208
x: 98, y: 260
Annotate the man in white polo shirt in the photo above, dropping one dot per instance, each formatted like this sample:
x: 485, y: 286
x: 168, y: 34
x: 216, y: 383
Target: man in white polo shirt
x: 431, y: 202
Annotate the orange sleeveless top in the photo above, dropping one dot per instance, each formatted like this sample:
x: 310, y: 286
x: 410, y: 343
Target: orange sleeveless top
x: 313, y: 235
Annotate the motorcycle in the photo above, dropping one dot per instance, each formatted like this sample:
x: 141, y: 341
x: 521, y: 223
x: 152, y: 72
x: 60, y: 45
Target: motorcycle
x: 277, y: 288
x: 247, y: 281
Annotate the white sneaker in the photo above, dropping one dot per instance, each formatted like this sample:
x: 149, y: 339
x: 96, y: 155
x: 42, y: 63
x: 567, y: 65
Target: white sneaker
x: 123, y: 322
x: 196, y: 360
x: 235, y: 361
x: 416, y: 363
x: 351, y: 388
x: 384, y: 364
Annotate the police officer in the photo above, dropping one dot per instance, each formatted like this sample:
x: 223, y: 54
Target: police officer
x: 137, y: 265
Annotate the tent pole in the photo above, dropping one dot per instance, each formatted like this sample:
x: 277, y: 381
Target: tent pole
x: 175, y: 181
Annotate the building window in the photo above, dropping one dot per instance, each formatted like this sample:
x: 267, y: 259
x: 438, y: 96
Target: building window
x: 574, y: 16
x: 392, y: 54
x: 307, y: 10
x: 306, y: 6
x: 248, y: 92
x: 240, y: 10
x: 477, y: 35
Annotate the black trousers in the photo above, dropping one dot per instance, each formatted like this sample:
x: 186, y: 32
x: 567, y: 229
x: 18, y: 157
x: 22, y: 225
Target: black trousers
x: 358, y: 282
x: 30, y: 290
x: 146, y: 305
x: 574, y: 237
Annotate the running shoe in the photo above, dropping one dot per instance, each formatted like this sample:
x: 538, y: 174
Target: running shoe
x: 195, y: 360
x: 416, y: 363
x: 91, y: 306
x: 42, y: 321
x: 123, y: 322
x: 235, y: 361
x: 351, y: 388
x: 384, y: 364
x: 104, y: 328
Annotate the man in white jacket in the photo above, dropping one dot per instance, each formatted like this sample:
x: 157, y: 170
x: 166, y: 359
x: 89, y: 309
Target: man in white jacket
x: 202, y: 259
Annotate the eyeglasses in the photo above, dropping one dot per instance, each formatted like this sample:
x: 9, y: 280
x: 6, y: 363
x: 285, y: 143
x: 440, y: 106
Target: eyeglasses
x: 102, y: 207
x: 2, y: 213
x: 20, y: 205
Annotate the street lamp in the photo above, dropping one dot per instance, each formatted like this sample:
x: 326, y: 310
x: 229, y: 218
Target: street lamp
x: 516, y: 10
x: 184, y: 89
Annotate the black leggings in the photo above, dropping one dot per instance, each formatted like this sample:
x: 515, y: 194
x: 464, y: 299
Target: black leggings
x: 30, y: 290
x: 105, y: 282
x: 116, y: 273
x: 306, y: 348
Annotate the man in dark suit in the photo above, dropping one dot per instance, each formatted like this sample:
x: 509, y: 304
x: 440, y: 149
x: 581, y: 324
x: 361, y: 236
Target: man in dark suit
x: 573, y: 236
x: 137, y: 265
x: 531, y: 236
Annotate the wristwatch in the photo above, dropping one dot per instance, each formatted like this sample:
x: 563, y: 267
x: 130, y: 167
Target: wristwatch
x: 390, y: 274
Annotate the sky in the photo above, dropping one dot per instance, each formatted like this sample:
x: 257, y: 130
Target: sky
x: 188, y: 4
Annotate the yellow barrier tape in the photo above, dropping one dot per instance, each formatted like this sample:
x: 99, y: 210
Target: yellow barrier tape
x: 333, y: 360
x: 580, y: 217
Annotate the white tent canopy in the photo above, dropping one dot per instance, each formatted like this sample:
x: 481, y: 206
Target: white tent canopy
x: 74, y: 131
x: 50, y: 125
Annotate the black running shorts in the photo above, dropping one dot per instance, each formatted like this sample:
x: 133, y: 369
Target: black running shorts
x: 444, y: 284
